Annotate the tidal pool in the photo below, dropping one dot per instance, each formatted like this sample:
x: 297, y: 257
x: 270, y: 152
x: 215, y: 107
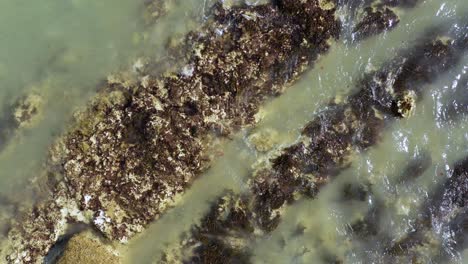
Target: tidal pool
x: 62, y: 51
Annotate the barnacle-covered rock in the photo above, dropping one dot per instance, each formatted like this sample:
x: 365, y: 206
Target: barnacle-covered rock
x: 132, y: 157
x: 406, y: 103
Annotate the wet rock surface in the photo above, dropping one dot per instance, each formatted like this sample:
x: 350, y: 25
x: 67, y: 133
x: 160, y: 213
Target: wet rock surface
x: 375, y: 17
x: 403, y: 3
x: 144, y: 140
x: 375, y: 21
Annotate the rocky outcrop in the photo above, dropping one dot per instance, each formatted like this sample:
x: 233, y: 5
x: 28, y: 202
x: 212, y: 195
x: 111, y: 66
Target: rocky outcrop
x: 141, y: 142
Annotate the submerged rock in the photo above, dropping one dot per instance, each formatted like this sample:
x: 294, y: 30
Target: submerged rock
x: 155, y: 9
x: 229, y: 217
x: 327, y: 147
x: 27, y: 109
x: 457, y: 108
x: 441, y: 231
x: 264, y: 140
x: 23, y: 113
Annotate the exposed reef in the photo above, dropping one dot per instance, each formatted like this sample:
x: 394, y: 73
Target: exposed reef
x: 143, y: 141
x: 327, y: 146
x: 146, y: 137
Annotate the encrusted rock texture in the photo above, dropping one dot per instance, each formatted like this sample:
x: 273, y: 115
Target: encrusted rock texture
x: 327, y: 147
x: 84, y: 249
x: 143, y: 141
x: 374, y: 21
x: 373, y: 17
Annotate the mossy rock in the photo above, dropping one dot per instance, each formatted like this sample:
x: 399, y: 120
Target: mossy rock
x: 82, y: 249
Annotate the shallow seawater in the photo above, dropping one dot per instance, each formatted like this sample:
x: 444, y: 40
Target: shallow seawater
x: 62, y: 50
x: 325, y: 220
x: 59, y: 50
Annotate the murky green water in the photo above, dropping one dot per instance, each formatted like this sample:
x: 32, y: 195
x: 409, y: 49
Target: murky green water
x: 59, y: 50
x: 62, y: 49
